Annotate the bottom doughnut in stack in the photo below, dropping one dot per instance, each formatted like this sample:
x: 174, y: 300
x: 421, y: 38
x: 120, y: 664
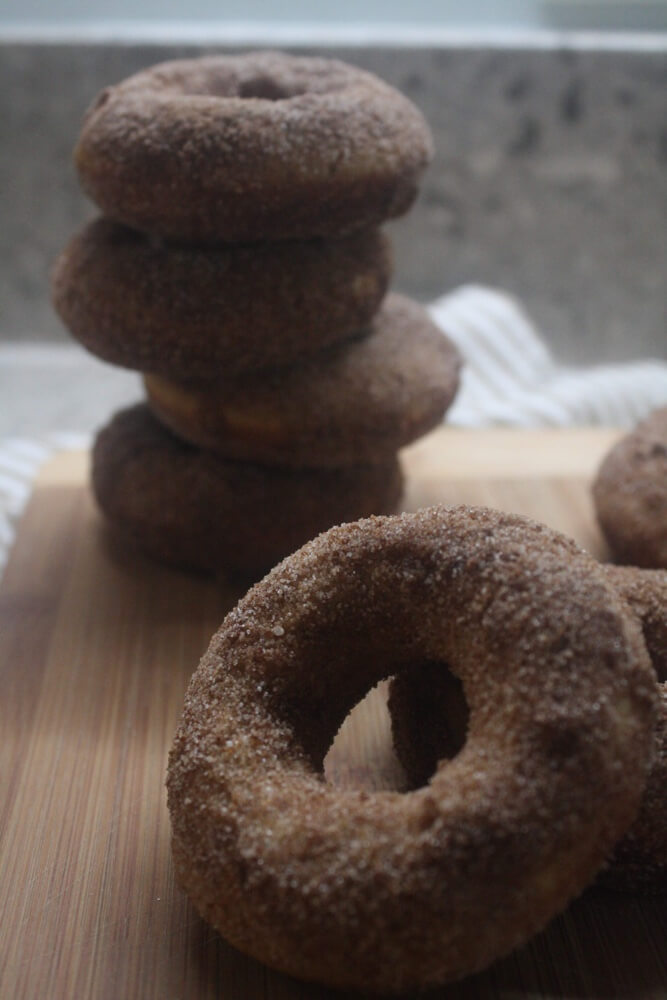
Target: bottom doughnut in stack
x: 194, y: 510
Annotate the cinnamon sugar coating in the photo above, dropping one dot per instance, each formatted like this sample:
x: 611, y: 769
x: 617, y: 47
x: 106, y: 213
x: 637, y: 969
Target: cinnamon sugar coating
x: 630, y: 495
x: 252, y: 147
x: 194, y: 510
x: 357, y: 402
x: 429, y: 719
x: 188, y: 312
x: 386, y: 891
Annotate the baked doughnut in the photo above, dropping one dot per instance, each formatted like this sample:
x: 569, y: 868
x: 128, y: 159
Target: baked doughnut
x: 430, y: 718
x: 262, y: 146
x: 357, y: 402
x: 383, y: 891
x: 189, y: 312
x: 640, y: 860
x: 193, y: 510
x: 630, y: 495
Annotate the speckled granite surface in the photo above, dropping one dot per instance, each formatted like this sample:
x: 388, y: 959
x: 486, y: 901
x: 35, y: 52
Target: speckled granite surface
x: 550, y: 181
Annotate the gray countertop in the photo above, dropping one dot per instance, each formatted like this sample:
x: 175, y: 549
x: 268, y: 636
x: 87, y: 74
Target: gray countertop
x: 549, y: 181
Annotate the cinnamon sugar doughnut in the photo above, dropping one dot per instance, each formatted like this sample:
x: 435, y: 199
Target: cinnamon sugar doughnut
x: 193, y: 510
x: 640, y: 860
x: 262, y: 146
x: 189, y: 312
x: 357, y: 402
x: 630, y: 495
x: 430, y: 719
x: 383, y: 891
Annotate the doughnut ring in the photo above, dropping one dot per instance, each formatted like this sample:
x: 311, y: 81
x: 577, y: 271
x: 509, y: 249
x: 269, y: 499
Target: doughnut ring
x: 630, y: 495
x: 358, y: 402
x: 185, y: 312
x: 430, y: 718
x: 386, y: 891
x: 193, y: 510
x: 262, y: 146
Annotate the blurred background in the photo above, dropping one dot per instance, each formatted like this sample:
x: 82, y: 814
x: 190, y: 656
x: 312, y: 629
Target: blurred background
x: 550, y: 175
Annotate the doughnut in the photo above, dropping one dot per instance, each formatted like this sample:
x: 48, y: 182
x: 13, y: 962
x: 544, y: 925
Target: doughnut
x: 262, y: 146
x: 630, y: 495
x: 195, y: 511
x: 384, y: 891
x: 357, y: 402
x: 186, y: 312
x: 639, y: 862
x: 430, y: 718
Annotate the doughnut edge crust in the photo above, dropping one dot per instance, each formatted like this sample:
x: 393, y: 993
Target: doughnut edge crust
x: 376, y: 891
x: 249, y: 147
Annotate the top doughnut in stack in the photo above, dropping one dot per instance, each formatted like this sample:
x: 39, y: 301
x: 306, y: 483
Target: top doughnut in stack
x: 239, y: 265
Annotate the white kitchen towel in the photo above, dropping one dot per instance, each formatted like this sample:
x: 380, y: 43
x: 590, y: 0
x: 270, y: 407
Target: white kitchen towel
x: 20, y: 461
x: 509, y: 379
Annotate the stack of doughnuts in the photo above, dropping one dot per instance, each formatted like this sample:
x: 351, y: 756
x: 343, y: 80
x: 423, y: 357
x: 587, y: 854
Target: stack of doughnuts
x: 239, y: 265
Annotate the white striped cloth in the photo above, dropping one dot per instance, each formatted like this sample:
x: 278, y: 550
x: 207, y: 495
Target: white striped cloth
x: 509, y: 378
x: 20, y: 461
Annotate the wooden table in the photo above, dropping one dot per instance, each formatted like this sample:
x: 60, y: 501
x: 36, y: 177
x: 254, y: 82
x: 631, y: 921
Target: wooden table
x: 96, y: 647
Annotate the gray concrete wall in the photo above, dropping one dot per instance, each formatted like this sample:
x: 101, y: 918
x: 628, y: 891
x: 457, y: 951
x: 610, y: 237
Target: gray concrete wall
x: 550, y: 180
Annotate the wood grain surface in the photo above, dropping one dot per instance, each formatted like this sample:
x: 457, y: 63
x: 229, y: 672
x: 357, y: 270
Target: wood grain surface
x: 96, y: 648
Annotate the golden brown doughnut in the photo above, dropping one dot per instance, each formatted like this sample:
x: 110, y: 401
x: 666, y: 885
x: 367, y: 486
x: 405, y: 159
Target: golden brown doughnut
x: 189, y: 312
x: 384, y: 891
x: 630, y: 495
x: 357, y: 402
x: 262, y: 146
x: 196, y: 511
x: 429, y: 719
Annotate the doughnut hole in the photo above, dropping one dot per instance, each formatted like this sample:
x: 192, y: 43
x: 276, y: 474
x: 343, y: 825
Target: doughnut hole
x: 429, y: 720
x: 266, y: 89
x: 362, y: 754
x: 375, y: 748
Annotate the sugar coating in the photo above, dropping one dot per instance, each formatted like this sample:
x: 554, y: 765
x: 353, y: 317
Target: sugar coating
x: 384, y: 891
x: 357, y: 402
x: 192, y: 311
x: 630, y: 495
x: 251, y: 147
x: 192, y: 509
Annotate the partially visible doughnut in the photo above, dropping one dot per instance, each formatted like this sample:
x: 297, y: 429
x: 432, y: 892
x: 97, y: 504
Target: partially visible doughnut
x: 358, y: 402
x: 630, y: 495
x: 189, y: 312
x: 193, y: 510
x: 262, y: 146
x: 429, y: 719
x: 640, y: 861
x: 387, y: 891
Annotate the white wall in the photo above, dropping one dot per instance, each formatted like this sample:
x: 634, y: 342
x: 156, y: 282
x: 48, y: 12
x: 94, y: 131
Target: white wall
x: 637, y: 15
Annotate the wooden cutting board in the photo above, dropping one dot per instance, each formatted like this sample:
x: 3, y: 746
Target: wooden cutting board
x: 96, y: 648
